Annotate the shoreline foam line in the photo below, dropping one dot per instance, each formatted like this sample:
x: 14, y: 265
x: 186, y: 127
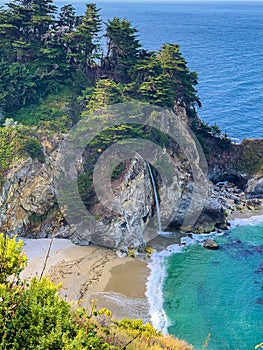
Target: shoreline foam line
x: 251, y: 221
x: 154, y: 291
x: 158, y: 273
x: 158, y: 269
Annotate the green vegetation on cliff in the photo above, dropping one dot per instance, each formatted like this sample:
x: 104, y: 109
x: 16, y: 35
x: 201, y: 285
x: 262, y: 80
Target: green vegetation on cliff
x: 57, y: 67
x: 53, y: 72
x: 16, y: 143
x: 54, y: 69
x: 33, y: 316
x: 44, y: 50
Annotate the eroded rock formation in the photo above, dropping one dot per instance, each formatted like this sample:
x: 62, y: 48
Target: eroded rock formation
x: 28, y: 205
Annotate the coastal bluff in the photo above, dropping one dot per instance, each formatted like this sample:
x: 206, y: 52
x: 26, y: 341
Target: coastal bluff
x: 28, y: 204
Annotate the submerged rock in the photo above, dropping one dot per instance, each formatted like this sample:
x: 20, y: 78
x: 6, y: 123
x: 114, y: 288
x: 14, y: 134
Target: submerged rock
x: 209, y: 244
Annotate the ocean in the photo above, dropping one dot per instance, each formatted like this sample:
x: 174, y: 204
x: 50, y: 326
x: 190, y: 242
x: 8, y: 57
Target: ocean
x: 210, y: 296
x: 212, y: 299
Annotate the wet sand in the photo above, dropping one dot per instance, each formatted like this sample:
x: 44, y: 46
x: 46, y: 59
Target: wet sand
x: 124, y: 293
x: 92, y: 272
x: 125, y: 277
x: 95, y: 273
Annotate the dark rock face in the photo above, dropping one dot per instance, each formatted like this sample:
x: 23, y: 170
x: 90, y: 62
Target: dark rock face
x: 237, y: 163
x: 209, y: 244
x: 213, y: 215
x: 254, y: 188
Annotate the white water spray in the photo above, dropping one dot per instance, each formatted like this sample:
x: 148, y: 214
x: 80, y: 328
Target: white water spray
x: 156, y: 198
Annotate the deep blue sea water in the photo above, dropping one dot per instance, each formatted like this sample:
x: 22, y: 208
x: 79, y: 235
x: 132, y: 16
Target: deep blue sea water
x: 200, y: 293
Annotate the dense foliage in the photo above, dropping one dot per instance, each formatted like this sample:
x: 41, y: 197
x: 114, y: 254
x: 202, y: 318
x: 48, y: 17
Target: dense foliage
x: 33, y: 316
x: 43, y: 49
x: 17, y: 142
x: 55, y: 69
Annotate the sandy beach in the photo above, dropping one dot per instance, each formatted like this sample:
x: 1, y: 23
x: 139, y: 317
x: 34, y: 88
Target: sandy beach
x: 92, y: 273
x: 246, y: 214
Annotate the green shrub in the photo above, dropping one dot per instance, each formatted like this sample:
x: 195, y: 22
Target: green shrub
x: 33, y: 147
x: 12, y: 259
x: 34, y: 317
x: 17, y: 143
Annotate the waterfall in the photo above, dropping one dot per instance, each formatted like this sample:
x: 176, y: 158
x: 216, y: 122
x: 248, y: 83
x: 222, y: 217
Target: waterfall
x: 156, y: 198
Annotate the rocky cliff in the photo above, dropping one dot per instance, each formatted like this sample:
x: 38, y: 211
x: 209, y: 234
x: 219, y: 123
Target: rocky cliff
x: 237, y: 163
x: 27, y: 197
x: 28, y: 205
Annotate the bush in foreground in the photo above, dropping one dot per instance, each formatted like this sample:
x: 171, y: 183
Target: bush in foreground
x: 33, y: 316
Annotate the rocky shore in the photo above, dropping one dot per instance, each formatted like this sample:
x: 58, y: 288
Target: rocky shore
x: 237, y: 202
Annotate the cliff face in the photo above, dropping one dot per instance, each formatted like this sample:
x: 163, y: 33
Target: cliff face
x: 121, y: 229
x: 238, y: 163
x: 28, y: 207
x: 28, y: 204
x: 27, y: 197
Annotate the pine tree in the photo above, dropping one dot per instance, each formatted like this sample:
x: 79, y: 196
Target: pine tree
x: 106, y: 92
x: 67, y: 18
x: 83, y: 42
x: 15, y: 24
x: 43, y: 17
x: 122, y: 48
x: 148, y: 66
x: 23, y: 25
x: 182, y: 80
x: 157, y: 90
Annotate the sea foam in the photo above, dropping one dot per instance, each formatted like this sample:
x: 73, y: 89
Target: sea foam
x: 157, y: 276
x: 158, y: 269
x: 154, y: 287
x: 251, y: 221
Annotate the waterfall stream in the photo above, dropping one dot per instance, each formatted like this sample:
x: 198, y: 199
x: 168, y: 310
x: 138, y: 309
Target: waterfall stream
x: 156, y: 198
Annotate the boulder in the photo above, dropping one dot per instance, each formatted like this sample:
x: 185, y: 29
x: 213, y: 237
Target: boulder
x: 209, y: 244
x: 213, y: 215
x: 254, y: 204
x: 254, y: 188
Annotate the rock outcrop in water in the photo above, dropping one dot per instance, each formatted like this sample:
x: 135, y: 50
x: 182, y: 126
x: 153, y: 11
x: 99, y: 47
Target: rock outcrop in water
x: 209, y: 244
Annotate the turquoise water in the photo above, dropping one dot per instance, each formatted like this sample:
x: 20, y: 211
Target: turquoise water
x: 218, y: 292
x: 206, y: 292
